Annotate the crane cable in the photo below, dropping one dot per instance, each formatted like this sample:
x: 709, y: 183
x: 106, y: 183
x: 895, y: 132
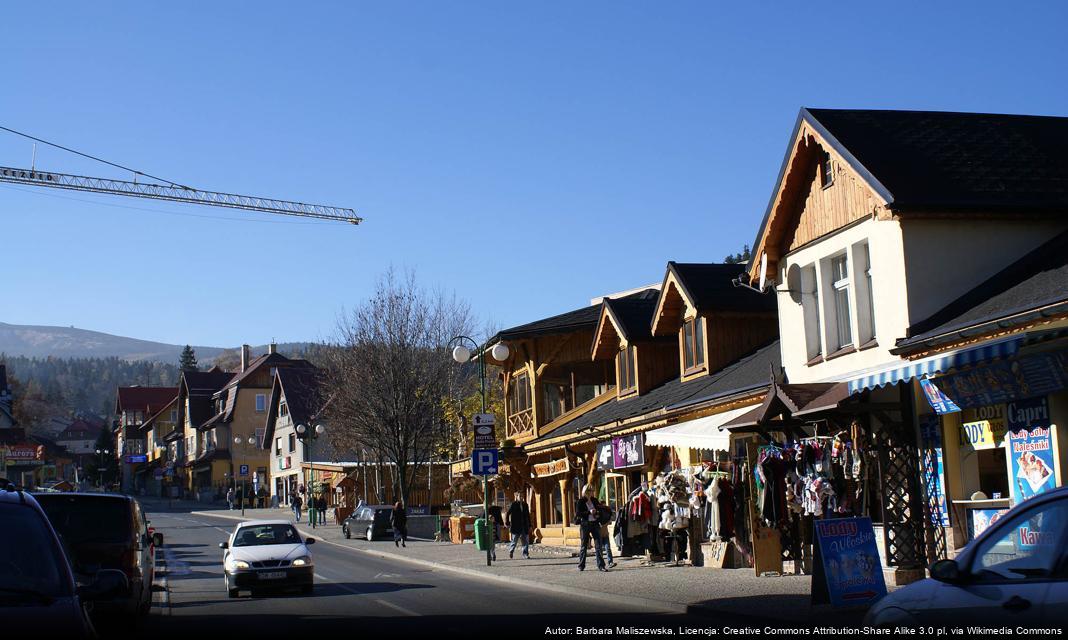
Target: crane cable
x: 92, y: 157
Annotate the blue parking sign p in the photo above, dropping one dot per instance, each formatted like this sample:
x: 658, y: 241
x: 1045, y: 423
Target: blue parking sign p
x: 484, y: 462
x: 243, y: 471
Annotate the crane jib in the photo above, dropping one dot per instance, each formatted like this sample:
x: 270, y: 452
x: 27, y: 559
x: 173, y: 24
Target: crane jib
x: 176, y: 193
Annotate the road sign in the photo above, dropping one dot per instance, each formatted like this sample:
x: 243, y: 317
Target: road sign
x: 484, y: 462
x: 243, y: 470
x: 485, y: 437
x: 483, y: 418
x: 135, y: 459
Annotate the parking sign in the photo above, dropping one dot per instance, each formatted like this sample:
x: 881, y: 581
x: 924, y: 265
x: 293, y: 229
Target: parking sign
x: 243, y: 470
x: 484, y: 462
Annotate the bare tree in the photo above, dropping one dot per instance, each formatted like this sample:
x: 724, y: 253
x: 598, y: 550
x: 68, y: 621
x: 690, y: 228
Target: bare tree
x: 389, y: 381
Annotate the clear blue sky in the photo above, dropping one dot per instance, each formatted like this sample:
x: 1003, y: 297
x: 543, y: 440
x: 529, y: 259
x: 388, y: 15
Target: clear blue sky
x: 526, y: 155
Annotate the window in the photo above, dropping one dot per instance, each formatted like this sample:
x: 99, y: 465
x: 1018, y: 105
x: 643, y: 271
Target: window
x: 826, y: 170
x: 283, y: 410
x: 810, y: 308
x: 693, y: 344
x: 556, y: 506
x: 261, y: 403
x: 843, y: 317
x: 278, y: 446
x: 866, y: 254
x: 1026, y: 548
x: 174, y: 416
x: 292, y: 442
x: 519, y: 394
x: 625, y: 373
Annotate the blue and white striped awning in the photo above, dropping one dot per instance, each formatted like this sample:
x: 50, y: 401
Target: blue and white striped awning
x: 941, y: 363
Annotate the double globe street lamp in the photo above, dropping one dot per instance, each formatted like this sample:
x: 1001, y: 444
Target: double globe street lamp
x: 307, y: 434
x: 240, y: 443
x: 462, y: 355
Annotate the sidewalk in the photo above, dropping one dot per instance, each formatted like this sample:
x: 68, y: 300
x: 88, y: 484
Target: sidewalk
x: 662, y: 587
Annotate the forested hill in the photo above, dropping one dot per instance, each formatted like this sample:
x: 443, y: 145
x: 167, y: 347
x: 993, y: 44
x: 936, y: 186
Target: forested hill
x: 47, y: 387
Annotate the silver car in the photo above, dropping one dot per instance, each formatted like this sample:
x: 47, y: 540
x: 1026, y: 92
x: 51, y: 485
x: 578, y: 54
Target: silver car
x: 267, y: 554
x: 1014, y: 573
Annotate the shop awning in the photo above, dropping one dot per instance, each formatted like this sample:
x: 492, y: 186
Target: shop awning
x: 700, y: 433
x: 903, y: 372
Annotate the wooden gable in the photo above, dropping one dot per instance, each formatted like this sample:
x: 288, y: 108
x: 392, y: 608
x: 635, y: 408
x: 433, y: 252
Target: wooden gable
x: 802, y: 209
x: 672, y: 308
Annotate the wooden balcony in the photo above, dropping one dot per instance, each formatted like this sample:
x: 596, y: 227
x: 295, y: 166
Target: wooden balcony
x: 520, y: 425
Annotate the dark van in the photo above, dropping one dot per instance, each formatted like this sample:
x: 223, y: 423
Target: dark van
x: 105, y: 531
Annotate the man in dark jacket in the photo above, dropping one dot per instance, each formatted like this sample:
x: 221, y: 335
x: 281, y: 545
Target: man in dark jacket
x: 588, y: 515
x: 398, y: 519
x: 518, y: 521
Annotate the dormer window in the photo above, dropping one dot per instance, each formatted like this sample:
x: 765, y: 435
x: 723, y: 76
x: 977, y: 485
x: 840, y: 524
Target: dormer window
x: 625, y: 371
x: 693, y: 344
x: 826, y: 170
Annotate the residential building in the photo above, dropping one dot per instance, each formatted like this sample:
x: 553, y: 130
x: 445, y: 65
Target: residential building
x: 194, y: 465
x: 7, y: 401
x: 133, y: 406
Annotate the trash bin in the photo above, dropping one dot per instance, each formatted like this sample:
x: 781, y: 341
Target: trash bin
x: 483, y: 535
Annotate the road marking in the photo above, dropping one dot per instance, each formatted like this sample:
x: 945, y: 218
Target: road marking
x: 407, y: 612
x: 387, y: 575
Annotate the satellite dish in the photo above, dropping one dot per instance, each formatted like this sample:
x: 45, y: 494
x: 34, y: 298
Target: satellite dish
x: 793, y: 282
x: 763, y: 270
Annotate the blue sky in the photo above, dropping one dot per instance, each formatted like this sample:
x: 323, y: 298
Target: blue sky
x: 528, y: 156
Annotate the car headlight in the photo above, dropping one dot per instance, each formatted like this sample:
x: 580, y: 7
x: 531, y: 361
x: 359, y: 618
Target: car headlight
x: 234, y: 565
x: 302, y: 561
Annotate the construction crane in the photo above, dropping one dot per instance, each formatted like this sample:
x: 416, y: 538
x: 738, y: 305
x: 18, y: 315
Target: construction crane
x: 169, y: 191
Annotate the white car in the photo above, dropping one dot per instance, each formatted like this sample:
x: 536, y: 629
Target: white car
x: 267, y: 554
x: 1014, y: 573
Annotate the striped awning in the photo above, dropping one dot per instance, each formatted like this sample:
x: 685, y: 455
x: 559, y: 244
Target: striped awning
x: 902, y: 372
x: 700, y: 433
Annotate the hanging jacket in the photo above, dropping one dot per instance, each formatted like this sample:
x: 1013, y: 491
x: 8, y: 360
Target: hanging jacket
x: 641, y: 509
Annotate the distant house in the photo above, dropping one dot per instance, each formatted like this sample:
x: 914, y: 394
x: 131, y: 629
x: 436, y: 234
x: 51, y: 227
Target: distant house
x: 79, y: 438
x: 133, y: 406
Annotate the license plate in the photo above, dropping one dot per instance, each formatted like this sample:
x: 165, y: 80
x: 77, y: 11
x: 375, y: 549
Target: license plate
x: 272, y: 575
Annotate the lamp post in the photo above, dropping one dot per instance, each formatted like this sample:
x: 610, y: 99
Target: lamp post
x: 306, y: 435
x: 103, y: 455
x: 240, y: 443
x: 462, y: 354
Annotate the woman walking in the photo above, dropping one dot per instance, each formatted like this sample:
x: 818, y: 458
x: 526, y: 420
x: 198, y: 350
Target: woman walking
x: 399, y: 521
x: 297, y: 504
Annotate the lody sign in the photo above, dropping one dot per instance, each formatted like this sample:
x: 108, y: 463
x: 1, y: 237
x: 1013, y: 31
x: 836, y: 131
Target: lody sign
x: 847, y: 568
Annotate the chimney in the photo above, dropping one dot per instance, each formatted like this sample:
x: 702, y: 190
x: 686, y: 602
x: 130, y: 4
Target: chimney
x: 272, y: 348
x: 244, y: 357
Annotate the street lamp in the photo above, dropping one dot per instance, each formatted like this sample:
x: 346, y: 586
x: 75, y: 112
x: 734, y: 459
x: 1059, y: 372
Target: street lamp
x: 103, y: 453
x: 462, y: 354
x: 239, y: 442
x: 307, y: 435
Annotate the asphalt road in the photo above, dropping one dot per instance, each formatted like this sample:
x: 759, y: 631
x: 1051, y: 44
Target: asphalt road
x: 356, y: 593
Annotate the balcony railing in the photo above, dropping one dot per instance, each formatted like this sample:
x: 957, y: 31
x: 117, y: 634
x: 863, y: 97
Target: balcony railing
x: 520, y: 424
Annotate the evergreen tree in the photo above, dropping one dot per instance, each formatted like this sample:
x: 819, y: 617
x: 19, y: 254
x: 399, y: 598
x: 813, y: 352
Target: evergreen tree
x: 739, y: 258
x: 188, y: 360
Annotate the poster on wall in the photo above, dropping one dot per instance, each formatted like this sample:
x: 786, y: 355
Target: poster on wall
x: 983, y: 519
x: 934, y: 473
x: 847, y: 569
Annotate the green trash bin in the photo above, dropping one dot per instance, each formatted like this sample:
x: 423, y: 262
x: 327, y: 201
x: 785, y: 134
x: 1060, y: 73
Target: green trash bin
x: 483, y: 535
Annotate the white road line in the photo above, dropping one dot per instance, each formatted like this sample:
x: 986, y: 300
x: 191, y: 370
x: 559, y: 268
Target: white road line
x: 407, y: 612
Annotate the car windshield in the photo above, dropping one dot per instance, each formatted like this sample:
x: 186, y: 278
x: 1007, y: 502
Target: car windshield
x: 261, y: 534
x: 31, y: 563
x: 88, y: 519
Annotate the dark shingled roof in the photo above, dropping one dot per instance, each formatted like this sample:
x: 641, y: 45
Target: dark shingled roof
x: 746, y: 374
x: 711, y: 287
x: 147, y: 400
x: 944, y: 161
x: 1033, y: 287
x: 584, y: 318
x: 200, y: 385
x: 301, y: 389
x: 634, y: 314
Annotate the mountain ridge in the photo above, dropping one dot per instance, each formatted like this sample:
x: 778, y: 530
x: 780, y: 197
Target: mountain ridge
x: 42, y: 341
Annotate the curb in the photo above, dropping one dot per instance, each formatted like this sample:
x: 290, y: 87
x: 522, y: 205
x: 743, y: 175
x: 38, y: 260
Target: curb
x: 601, y: 596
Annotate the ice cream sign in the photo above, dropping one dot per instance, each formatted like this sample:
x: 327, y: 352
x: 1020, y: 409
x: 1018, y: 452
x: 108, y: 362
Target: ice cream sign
x: 1030, y: 450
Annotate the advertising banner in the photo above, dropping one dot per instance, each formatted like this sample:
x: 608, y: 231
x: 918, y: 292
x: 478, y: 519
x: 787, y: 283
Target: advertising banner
x: 1032, y: 465
x: 605, y: 457
x: 983, y: 519
x: 628, y: 451
x: 1002, y: 381
x: 848, y: 560
x: 934, y: 469
x: 938, y: 400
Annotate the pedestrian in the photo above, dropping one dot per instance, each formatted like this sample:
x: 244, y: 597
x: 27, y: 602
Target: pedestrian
x: 399, y: 521
x: 297, y: 503
x: 322, y: 509
x: 589, y: 520
x: 496, y: 520
x: 606, y: 539
x: 262, y: 495
x: 230, y: 498
x: 313, y: 510
x: 518, y: 521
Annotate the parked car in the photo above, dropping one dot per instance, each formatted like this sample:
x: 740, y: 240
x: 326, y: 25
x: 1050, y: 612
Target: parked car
x: 370, y: 522
x: 37, y: 587
x: 267, y: 554
x: 1015, y: 572
x: 106, y: 531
